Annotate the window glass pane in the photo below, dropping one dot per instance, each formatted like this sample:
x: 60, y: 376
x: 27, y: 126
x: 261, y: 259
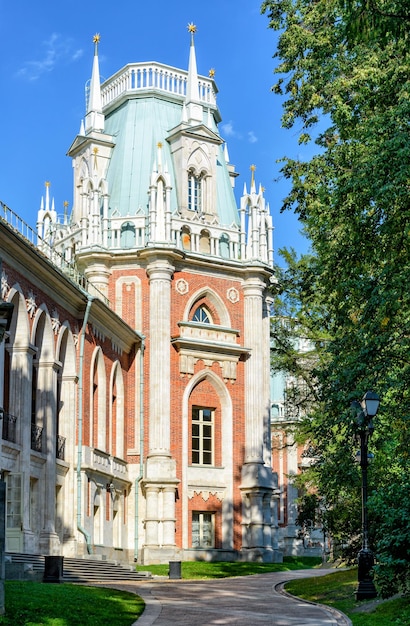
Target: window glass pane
x: 201, y: 315
x: 202, y: 530
x: 13, y: 504
x: 207, y: 458
x: 195, y: 531
x: 207, y: 531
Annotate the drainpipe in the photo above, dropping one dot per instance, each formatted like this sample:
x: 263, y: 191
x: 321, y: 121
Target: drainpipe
x: 141, y: 472
x: 80, y: 425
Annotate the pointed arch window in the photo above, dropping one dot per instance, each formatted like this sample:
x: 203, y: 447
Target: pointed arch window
x: 194, y: 192
x: 202, y: 316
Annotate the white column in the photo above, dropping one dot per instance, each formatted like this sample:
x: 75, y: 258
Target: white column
x: 257, y: 477
x: 254, y: 376
x: 47, y: 411
x: 168, y: 516
x: 267, y: 452
x: 160, y: 468
x: 151, y: 517
x: 67, y: 429
x: 21, y: 363
x: 160, y: 273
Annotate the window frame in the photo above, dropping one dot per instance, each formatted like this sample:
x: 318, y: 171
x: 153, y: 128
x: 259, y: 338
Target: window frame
x: 200, y: 523
x: 199, y: 425
x: 202, y: 312
x: 194, y: 192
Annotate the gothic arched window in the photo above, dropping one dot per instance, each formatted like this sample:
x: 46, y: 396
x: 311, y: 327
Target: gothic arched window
x: 202, y: 315
x: 194, y: 192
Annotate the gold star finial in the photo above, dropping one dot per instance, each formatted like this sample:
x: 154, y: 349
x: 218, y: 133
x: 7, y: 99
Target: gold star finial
x: 191, y: 28
x: 96, y: 41
x: 159, y: 144
x: 252, y: 168
x: 47, y: 183
x: 211, y: 72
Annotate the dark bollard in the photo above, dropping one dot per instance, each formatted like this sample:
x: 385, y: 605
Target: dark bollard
x: 53, y: 569
x: 175, y: 569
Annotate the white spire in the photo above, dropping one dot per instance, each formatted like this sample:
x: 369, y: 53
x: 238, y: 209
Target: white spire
x: 253, y: 187
x: 192, y: 84
x: 192, y: 89
x: 47, y: 186
x: 95, y: 119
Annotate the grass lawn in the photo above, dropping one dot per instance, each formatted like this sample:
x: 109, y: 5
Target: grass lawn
x: 338, y: 589
x: 203, y: 569
x: 39, y: 604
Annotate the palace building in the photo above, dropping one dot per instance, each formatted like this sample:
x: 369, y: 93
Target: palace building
x: 136, y: 404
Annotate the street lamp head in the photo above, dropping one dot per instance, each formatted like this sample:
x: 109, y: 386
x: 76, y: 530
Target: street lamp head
x: 370, y: 403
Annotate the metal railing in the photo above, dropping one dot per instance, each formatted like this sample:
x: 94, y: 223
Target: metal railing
x: 9, y: 426
x: 60, y: 448
x: 36, y: 438
x: 44, y: 247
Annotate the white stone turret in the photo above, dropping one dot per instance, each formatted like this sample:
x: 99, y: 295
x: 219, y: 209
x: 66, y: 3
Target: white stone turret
x: 256, y: 224
x: 46, y: 218
x: 160, y: 201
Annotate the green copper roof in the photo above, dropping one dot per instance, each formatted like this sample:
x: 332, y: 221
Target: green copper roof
x: 137, y: 126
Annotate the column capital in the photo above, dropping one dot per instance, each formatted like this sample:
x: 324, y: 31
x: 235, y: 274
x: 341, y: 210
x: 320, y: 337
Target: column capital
x: 254, y: 285
x: 160, y: 269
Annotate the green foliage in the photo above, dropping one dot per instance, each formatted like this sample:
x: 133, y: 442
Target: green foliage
x: 337, y: 590
x: 344, y: 76
x: 390, y: 507
x: 39, y: 604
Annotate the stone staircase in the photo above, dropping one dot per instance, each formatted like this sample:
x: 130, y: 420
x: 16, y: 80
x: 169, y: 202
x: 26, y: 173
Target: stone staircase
x: 86, y: 571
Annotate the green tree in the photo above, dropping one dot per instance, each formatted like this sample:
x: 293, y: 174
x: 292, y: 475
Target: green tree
x: 344, y: 74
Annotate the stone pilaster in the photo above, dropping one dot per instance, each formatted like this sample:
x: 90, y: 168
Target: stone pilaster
x: 160, y: 480
x: 257, y: 477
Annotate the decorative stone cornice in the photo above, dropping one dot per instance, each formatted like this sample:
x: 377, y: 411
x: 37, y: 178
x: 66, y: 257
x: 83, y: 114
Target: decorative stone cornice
x: 210, y: 344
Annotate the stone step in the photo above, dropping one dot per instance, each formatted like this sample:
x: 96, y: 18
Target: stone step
x: 82, y: 570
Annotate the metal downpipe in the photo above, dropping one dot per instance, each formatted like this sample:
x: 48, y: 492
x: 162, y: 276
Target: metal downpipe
x: 141, y: 472
x: 80, y: 425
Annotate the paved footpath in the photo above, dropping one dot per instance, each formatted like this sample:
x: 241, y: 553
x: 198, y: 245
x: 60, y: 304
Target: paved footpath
x: 244, y: 601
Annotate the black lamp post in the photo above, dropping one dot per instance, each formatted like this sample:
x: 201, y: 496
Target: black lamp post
x: 367, y: 409
x: 6, y: 312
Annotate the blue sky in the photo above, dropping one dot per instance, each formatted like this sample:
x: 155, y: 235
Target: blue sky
x: 46, y: 59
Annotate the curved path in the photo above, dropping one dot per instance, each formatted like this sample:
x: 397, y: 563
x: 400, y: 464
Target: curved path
x: 244, y: 601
